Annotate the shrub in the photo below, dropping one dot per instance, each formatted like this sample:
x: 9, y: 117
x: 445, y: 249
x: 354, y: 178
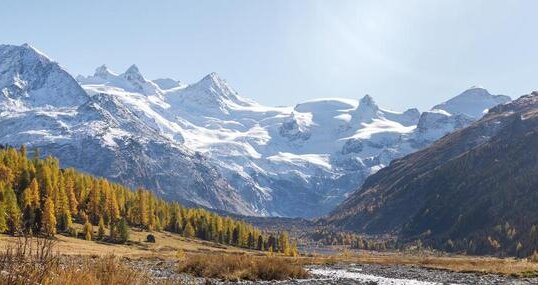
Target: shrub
x: 150, y: 238
x: 242, y: 267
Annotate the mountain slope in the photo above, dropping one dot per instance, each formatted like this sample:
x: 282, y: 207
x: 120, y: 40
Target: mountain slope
x: 100, y: 135
x: 473, y: 190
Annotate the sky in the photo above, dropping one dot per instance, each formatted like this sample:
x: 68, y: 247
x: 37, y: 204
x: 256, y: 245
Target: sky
x: 403, y: 53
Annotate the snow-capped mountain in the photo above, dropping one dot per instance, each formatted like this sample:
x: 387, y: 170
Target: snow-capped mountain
x: 28, y: 79
x: 474, y: 102
x: 43, y: 106
x: 178, y: 139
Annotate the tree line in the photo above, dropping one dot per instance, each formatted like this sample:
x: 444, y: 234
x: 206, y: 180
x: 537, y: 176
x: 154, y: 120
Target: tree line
x: 38, y: 197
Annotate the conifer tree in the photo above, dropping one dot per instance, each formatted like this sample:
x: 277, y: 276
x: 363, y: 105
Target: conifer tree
x: 3, y: 223
x: 27, y: 198
x: 13, y: 213
x: 63, y: 212
x: 93, y: 203
x: 123, y: 231
x: 101, y: 231
x: 113, y: 231
x: 188, y: 231
x: 283, y: 243
x: 293, y: 250
x: 142, y: 208
x: 88, y: 230
x: 251, y: 241
x: 70, y: 192
x: 259, y: 246
x: 28, y: 217
x: 33, y: 194
x: 48, y: 219
x: 113, y: 207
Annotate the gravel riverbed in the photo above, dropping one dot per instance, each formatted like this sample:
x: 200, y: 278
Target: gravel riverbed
x: 363, y: 274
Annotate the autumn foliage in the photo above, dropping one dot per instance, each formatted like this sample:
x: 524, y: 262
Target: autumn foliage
x: 40, y: 198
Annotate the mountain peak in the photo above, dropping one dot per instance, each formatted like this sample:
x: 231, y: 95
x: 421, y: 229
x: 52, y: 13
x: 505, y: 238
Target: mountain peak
x: 29, y: 76
x: 215, y: 82
x: 28, y: 46
x: 103, y: 72
x: 367, y: 102
x: 133, y: 69
x: 367, y: 109
x: 476, y: 90
x: 24, y: 52
x: 133, y: 75
x: 212, y: 77
x: 473, y: 102
x: 477, y: 86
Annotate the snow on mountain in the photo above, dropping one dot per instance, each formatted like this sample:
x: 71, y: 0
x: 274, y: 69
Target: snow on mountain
x: 205, y: 144
x: 101, y: 134
x: 167, y: 83
x: 285, y: 161
x: 473, y: 102
x: 28, y: 79
x: 211, y: 96
x: 131, y: 80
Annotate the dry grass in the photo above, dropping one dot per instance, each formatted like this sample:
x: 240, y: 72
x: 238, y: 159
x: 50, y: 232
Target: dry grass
x: 166, y: 246
x: 34, y: 261
x: 243, y: 267
x: 457, y: 263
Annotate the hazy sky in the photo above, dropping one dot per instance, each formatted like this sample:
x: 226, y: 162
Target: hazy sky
x: 403, y: 53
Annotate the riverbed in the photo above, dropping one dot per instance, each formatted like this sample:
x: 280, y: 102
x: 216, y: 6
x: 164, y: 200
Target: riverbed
x: 352, y: 274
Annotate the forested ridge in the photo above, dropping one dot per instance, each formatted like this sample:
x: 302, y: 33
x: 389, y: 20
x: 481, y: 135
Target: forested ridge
x: 37, y: 197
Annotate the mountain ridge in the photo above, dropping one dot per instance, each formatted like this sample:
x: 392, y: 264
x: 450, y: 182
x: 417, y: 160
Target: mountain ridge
x: 296, y: 161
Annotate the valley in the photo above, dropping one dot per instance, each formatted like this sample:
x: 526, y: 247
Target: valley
x: 114, y: 174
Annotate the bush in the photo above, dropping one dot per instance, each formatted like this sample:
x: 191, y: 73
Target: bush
x: 150, y: 238
x: 243, y: 267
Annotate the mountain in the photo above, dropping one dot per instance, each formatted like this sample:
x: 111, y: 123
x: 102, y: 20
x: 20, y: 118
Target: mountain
x: 44, y: 107
x: 474, y: 190
x: 285, y: 161
x: 206, y: 144
x: 28, y: 78
x: 474, y: 102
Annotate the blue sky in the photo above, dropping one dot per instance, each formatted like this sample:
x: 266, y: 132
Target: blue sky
x: 403, y: 53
